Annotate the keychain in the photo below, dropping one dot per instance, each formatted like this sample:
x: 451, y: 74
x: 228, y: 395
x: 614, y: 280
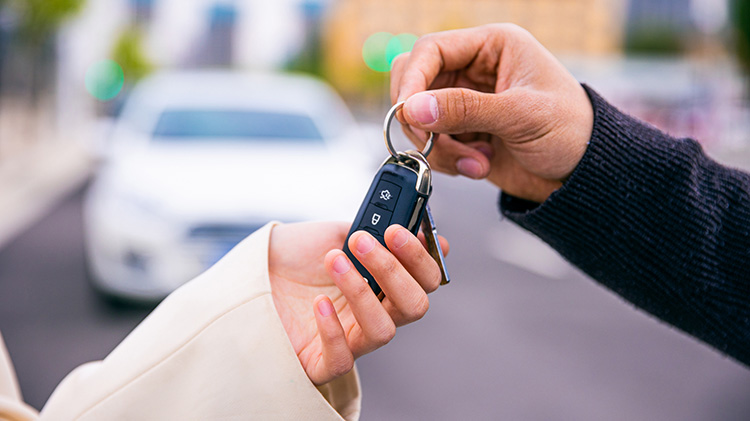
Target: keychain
x: 398, y: 195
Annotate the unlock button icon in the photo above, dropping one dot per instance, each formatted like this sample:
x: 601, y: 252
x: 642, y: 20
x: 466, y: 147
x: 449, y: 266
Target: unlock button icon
x: 376, y: 219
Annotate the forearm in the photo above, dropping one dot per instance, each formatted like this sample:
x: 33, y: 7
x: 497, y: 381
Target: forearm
x: 214, y: 349
x: 655, y: 220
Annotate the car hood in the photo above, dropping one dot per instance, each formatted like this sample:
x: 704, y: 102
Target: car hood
x: 240, y: 183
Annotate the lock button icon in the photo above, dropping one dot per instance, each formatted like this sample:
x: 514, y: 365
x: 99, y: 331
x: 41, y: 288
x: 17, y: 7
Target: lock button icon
x: 377, y: 219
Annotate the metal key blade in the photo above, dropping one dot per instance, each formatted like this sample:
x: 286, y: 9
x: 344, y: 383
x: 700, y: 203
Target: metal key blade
x: 433, y: 244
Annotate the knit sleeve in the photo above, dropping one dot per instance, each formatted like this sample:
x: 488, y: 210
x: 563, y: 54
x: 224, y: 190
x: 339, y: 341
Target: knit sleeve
x: 655, y: 220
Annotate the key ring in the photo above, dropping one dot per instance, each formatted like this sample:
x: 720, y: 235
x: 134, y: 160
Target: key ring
x: 387, y: 133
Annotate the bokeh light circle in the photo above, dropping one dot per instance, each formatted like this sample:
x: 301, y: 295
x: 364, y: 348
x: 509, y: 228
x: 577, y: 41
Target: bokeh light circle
x: 381, y: 48
x: 373, y: 51
x: 104, y: 80
x: 401, y: 43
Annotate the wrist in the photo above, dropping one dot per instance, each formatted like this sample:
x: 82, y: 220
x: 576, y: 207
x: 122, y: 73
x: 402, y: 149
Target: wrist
x: 578, y: 131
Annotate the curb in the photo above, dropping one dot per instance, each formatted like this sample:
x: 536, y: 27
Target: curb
x: 34, y: 181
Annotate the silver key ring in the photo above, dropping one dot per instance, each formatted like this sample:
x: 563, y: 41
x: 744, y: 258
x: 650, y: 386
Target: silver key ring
x: 387, y: 133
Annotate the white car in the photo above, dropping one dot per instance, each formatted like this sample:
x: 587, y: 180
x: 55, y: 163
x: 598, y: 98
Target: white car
x: 199, y: 160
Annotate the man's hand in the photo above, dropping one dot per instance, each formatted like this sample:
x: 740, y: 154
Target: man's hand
x: 328, y: 310
x: 517, y: 116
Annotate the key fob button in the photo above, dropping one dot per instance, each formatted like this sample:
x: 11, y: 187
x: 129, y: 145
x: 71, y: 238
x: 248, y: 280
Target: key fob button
x: 374, y: 233
x: 386, y: 195
x: 377, y: 219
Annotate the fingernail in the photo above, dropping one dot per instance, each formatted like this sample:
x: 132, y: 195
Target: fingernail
x: 341, y: 265
x: 423, y: 108
x: 325, y: 308
x: 400, y: 238
x: 365, y: 244
x: 469, y: 167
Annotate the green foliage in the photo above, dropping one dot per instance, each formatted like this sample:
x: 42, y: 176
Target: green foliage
x: 654, y: 39
x: 741, y: 21
x: 310, y: 61
x: 40, y: 18
x: 128, y: 53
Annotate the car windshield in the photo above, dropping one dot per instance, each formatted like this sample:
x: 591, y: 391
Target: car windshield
x: 234, y: 124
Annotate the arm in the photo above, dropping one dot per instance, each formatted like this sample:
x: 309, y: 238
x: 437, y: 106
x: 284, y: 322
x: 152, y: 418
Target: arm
x: 270, y: 331
x: 655, y: 220
x: 649, y: 216
x: 213, y: 349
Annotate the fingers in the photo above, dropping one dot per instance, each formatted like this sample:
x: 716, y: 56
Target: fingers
x: 471, y: 160
x: 417, y: 137
x: 461, y: 110
x: 414, y: 257
x: 336, y: 359
x: 397, y: 71
x: 375, y: 326
x: 406, y: 294
x: 406, y: 298
x: 443, y: 52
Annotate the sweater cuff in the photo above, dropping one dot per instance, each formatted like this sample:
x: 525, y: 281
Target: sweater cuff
x: 655, y: 220
x: 613, y: 151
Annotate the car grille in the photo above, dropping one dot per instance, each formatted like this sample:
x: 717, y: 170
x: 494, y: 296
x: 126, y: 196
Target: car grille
x: 215, y: 240
x: 222, y: 232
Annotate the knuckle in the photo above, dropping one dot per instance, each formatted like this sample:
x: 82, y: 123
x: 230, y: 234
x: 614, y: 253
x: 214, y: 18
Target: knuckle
x: 509, y: 27
x: 467, y: 103
x: 400, y: 60
x: 419, y: 309
x: 510, y: 34
x: 386, y: 265
x: 460, y: 107
x: 342, y: 365
x: 361, y: 290
x: 384, y: 334
x: 432, y: 276
x: 433, y: 282
x: 424, y: 41
x: 512, y: 29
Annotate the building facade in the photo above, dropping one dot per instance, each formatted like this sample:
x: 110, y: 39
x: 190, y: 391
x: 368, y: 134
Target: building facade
x: 591, y: 27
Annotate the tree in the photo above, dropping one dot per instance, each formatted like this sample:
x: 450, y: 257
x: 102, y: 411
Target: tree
x: 40, y: 18
x: 38, y: 22
x: 741, y: 20
x: 128, y: 53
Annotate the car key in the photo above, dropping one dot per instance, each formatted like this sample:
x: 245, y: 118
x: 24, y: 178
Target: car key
x: 398, y: 195
x: 433, y: 243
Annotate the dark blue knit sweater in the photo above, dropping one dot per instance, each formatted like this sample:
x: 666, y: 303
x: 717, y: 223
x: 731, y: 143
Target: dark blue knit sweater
x: 655, y: 220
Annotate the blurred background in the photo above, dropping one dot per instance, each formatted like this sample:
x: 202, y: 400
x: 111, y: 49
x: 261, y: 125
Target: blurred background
x: 141, y: 139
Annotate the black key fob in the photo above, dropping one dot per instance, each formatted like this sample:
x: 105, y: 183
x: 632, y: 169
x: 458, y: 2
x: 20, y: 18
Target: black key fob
x: 398, y: 195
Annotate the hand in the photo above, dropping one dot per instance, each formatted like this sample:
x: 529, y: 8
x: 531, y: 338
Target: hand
x: 328, y: 310
x: 519, y: 117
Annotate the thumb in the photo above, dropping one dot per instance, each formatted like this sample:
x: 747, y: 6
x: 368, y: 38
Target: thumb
x: 455, y: 111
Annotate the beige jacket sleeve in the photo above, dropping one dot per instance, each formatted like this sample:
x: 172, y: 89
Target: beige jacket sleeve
x: 214, y: 349
x: 12, y: 406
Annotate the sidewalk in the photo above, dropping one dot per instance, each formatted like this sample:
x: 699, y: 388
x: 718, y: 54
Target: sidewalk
x: 34, y: 180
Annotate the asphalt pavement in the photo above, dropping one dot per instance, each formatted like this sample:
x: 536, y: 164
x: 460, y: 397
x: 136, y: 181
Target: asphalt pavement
x: 518, y: 334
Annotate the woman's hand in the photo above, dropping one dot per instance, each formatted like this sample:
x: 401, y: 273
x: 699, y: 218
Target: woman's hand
x: 517, y: 116
x: 328, y: 310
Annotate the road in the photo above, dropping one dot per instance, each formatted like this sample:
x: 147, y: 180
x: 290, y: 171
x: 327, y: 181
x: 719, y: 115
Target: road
x: 517, y: 335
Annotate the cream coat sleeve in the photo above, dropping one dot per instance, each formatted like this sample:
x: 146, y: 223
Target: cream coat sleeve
x: 214, y: 349
x: 12, y: 406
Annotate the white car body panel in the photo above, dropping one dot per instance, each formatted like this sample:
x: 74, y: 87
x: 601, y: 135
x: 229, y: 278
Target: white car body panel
x: 162, y: 210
